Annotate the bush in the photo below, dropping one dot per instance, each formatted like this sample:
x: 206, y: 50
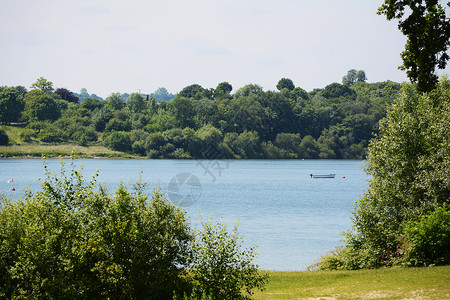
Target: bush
x: 221, y: 268
x: 427, y: 240
x: 344, y: 258
x: 72, y: 240
x: 119, y: 141
x: 27, y: 135
x: 4, y: 139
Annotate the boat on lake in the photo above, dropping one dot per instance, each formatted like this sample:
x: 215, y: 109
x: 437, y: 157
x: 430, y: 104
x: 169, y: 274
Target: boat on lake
x: 322, y: 175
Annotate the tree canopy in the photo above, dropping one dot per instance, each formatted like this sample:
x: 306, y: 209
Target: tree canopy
x: 427, y: 28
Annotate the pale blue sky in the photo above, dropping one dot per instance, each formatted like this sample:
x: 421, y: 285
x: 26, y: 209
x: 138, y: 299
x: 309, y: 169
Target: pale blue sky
x: 111, y: 46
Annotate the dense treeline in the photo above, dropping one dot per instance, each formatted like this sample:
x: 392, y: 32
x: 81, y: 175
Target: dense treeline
x: 334, y: 122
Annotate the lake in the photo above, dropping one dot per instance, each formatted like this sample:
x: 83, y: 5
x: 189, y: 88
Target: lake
x: 292, y: 218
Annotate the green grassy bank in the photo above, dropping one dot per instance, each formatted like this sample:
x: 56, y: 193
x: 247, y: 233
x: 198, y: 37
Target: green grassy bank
x: 19, y: 148
x: 39, y: 150
x: 394, y: 283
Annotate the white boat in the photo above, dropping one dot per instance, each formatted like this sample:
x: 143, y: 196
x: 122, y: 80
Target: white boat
x: 322, y: 175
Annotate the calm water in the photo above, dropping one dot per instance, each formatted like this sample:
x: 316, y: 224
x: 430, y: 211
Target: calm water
x: 292, y: 218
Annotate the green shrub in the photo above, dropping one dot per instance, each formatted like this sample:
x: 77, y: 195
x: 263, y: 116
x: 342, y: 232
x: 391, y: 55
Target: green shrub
x: 119, y: 141
x: 428, y: 239
x: 344, y: 258
x: 72, y: 240
x: 27, y: 135
x: 221, y: 268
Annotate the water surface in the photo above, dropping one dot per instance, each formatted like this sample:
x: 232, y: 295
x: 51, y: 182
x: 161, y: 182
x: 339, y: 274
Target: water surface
x: 292, y: 218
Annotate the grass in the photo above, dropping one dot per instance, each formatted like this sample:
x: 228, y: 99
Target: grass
x: 39, y: 150
x: 393, y: 283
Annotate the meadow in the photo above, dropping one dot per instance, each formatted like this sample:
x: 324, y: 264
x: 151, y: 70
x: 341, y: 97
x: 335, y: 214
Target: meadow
x: 391, y: 283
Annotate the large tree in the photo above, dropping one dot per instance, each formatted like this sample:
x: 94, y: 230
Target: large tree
x: 11, y: 104
x: 427, y: 28
x: 43, y: 107
x: 408, y: 163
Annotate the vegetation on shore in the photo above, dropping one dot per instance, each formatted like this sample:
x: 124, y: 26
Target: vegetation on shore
x: 332, y: 122
x: 404, y: 216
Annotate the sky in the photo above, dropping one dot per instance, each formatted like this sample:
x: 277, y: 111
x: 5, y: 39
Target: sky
x: 109, y: 46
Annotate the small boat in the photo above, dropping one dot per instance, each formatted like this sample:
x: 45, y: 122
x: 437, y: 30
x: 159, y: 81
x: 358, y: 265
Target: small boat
x: 322, y: 175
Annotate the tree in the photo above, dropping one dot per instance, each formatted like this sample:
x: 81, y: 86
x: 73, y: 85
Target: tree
x: 222, y: 90
x: 408, y: 164
x: 136, y: 103
x: 299, y: 93
x: 67, y: 95
x: 119, y: 141
x: 43, y: 85
x: 161, y: 94
x: 427, y: 28
x: 11, y: 105
x: 285, y: 83
x: 115, y: 102
x: 336, y: 90
x: 92, y: 103
x: 191, y: 91
x: 361, y: 76
x: 183, y: 110
x: 43, y: 107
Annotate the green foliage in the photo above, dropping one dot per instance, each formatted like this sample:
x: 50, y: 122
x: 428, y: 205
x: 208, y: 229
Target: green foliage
x: 119, y: 141
x: 92, y: 103
x: 427, y: 240
x: 408, y: 164
x: 344, y: 258
x: 74, y: 240
x: 11, y: 104
x: 336, y: 90
x: 354, y: 76
x: 223, y: 90
x: 220, y: 267
x: 285, y: 83
x: 337, y: 121
x: 136, y: 103
x: 4, y: 139
x: 192, y: 91
x: 43, y: 85
x: 427, y: 28
x: 43, y: 107
x: 115, y: 102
